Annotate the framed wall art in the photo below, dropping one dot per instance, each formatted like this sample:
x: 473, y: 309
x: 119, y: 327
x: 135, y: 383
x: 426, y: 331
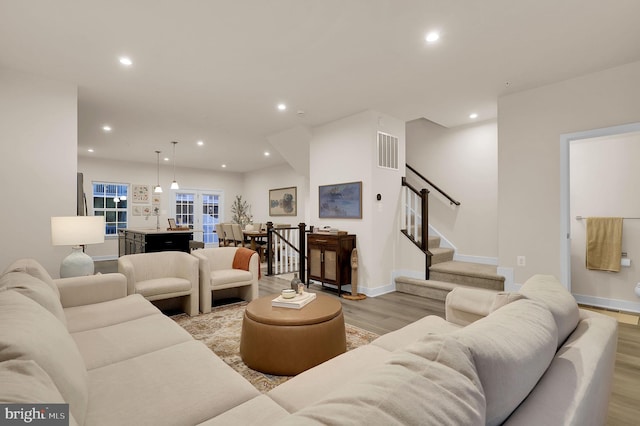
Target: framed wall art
x: 140, y: 194
x: 283, y: 201
x: 340, y: 201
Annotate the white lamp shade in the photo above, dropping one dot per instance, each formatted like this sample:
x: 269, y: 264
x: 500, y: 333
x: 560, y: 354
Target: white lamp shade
x: 77, y: 230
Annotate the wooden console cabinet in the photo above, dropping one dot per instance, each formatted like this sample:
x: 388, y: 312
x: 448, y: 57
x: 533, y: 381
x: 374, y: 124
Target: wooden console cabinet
x: 329, y: 258
x: 132, y: 241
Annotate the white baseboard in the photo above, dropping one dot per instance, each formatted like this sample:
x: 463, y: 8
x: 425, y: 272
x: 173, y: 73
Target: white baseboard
x: 406, y: 273
x: 378, y: 291
x: 476, y: 259
x: 614, y: 304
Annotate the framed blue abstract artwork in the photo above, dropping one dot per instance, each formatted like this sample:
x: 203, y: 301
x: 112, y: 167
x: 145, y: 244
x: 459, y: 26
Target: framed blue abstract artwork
x: 341, y: 201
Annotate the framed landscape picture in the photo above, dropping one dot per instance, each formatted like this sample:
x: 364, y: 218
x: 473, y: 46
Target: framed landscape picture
x: 341, y: 201
x: 283, y: 201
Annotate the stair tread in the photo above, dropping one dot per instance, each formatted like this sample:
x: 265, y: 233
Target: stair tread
x: 441, y: 250
x: 468, y: 269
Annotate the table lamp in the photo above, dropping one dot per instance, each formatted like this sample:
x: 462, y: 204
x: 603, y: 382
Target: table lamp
x: 77, y: 231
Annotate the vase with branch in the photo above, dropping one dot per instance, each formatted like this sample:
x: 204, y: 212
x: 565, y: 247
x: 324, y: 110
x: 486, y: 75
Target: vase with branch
x: 241, y: 212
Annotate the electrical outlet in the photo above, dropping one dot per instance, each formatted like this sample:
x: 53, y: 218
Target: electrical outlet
x: 521, y: 261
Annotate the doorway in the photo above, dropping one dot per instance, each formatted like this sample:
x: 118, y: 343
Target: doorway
x: 571, y: 222
x: 201, y: 210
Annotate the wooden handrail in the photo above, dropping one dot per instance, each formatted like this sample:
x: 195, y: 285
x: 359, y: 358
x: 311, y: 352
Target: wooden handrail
x: 451, y: 200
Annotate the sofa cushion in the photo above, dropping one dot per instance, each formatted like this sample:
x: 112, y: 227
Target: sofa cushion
x: 35, y: 269
x: 503, y: 298
x: 24, y: 382
x: 162, y: 286
x: 512, y: 347
x: 103, y: 314
x: 547, y: 290
x: 31, y: 332
x: 119, y: 342
x: 415, y: 331
x: 432, y: 382
x: 182, y: 384
x: 221, y: 277
x: 36, y: 290
x: 258, y: 411
x: 575, y: 388
x: 294, y: 394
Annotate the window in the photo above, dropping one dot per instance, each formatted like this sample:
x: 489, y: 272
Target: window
x: 110, y: 201
x: 184, y: 209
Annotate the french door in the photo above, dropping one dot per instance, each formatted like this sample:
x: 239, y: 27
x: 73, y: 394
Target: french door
x: 200, y: 210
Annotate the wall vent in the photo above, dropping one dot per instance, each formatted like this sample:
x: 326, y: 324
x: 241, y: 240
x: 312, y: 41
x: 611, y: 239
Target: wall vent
x: 387, y: 151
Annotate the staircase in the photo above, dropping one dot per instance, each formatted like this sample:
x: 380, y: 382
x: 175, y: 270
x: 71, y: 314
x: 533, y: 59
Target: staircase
x: 445, y: 274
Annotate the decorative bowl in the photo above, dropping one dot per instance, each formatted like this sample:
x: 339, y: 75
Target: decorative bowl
x: 288, y: 293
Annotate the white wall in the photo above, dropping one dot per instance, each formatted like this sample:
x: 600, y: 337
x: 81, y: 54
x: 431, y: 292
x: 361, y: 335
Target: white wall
x: 463, y: 162
x: 293, y: 146
x: 603, y: 176
x: 344, y: 151
x: 38, y: 154
x: 530, y: 124
x: 101, y: 170
x: 256, y: 191
x: 384, y: 233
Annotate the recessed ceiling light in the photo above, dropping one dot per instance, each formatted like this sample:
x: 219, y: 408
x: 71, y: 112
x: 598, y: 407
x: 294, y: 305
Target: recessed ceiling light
x: 90, y: 150
x: 106, y: 128
x: 432, y: 37
x: 223, y: 166
x: 200, y: 143
x: 126, y: 61
x: 282, y: 107
x: 473, y: 115
x: 166, y: 158
x: 266, y: 153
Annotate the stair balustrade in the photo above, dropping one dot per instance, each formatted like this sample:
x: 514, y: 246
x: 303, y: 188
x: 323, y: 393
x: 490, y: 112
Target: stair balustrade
x: 415, y: 221
x: 286, y: 250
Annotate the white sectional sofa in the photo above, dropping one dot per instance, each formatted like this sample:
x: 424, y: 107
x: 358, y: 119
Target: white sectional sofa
x: 528, y: 358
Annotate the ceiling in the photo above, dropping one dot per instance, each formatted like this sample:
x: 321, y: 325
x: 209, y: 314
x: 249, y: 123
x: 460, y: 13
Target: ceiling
x: 215, y: 70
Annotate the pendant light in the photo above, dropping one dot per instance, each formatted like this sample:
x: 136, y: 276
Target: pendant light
x: 158, y: 189
x: 174, y: 184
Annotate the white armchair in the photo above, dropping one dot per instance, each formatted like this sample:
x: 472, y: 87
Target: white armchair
x: 217, y: 273
x: 162, y: 275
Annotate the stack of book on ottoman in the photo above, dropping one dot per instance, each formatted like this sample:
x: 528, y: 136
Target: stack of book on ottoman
x: 296, y: 302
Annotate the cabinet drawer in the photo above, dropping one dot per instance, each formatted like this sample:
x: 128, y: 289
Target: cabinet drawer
x: 328, y: 241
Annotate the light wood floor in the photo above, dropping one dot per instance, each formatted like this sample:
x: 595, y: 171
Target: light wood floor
x: 392, y: 311
x: 380, y: 314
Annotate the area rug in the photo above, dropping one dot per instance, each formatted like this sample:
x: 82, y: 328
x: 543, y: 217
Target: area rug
x: 220, y: 331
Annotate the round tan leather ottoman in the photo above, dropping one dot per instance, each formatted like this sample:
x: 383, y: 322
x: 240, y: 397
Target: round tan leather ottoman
x: 285, y: 342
